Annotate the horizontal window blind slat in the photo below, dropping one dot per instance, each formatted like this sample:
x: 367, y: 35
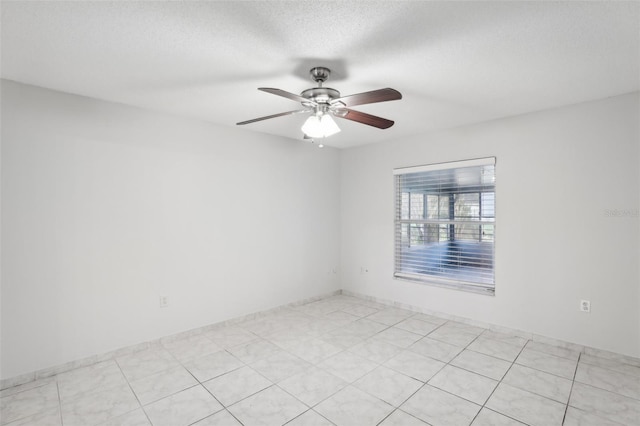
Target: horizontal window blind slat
x: 445, y: 259
x: 484, y: 221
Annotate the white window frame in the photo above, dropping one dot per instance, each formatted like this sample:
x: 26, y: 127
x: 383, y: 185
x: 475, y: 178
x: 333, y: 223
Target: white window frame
x: 480, y: 284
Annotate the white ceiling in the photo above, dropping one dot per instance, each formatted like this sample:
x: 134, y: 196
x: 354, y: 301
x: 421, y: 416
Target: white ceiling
x: 454, y: 62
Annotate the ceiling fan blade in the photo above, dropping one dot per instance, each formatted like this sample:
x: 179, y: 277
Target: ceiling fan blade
x: 287, y: 95
x: 381, y: 95
x: 364, y: 118
x: 298, y: 111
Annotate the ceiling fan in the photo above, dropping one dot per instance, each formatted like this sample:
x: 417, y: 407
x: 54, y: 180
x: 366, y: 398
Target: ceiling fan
x: 324, y: 102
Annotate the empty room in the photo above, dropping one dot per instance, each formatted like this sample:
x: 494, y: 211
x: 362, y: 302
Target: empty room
x: 348, y: 213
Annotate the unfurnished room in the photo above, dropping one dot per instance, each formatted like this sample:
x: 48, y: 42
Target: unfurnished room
x: 347, y: 213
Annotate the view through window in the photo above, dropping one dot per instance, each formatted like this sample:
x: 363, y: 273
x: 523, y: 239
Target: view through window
x: 445, y: 224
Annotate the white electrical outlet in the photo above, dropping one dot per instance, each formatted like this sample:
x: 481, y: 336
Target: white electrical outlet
x: 164, y: 301
x: 585, y: 306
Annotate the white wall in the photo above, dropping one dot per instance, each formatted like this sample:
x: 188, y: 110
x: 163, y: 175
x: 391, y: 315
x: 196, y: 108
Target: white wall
x: 105, y: 207
x: 557, y: 172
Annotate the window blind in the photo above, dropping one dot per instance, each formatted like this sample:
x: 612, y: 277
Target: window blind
x: 445, y: 224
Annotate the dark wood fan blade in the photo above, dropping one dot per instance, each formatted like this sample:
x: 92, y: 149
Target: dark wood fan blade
x: 298, y: 111
x: 372, y: 97
x: 364, y: 118
x: 286, y: 94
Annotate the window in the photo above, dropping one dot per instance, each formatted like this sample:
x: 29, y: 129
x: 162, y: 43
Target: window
x: 445, y: 224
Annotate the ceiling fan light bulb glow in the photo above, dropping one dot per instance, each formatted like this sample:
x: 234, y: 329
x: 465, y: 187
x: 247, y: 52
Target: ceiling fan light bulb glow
x: 329, y: 126
x: 311, y: 127
x: 320, y: 126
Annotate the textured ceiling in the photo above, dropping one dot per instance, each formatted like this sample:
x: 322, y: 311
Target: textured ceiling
x: 454, y: 62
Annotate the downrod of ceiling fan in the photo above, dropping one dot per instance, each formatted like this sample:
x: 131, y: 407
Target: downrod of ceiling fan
x: 320, y: 95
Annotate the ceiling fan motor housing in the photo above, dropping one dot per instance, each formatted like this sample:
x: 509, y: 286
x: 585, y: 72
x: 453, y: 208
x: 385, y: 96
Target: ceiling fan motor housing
x: 320, y: 95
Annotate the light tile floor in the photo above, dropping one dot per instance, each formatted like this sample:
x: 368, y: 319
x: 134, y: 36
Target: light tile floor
x: 338, y: 361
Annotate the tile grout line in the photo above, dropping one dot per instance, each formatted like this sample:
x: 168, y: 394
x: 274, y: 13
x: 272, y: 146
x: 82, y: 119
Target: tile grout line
x: 608, y: 368
x: 449, y: 364
x: 310, y: 408
x: 224, y: 407
x: 417, y: 390
x: 398, y: 407
x: 523, y: 365
x: 305, y: 412
x: 573, y: 381
x: 423, y: 384
x: 59, y: 403
x: 133, y: 392
x: 484, y: 405
x: 589, y: 384
x: 406, y: 348
x: 28, y: 389
x: 557, y: 356
x: 507, y: 416
x: 158, y: 372
x: 347, y: 350
x: 257, y: 372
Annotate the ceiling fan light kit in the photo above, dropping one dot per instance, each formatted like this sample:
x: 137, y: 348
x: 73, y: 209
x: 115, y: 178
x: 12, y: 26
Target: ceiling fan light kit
x: 325, y: 102
x: 320, y: 126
